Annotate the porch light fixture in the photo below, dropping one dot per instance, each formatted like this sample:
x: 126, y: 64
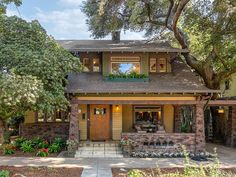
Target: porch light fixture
x: 221, y: 110
x: 117, y: 107
x: 79, y: 110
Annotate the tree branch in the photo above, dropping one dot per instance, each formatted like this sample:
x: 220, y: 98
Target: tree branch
x: 169, y: 11
x: 177, y: 33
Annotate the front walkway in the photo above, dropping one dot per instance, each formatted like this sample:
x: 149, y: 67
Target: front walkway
x: 101, y: 167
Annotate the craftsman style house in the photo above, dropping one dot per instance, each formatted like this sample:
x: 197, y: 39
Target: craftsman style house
x: 136, y: 89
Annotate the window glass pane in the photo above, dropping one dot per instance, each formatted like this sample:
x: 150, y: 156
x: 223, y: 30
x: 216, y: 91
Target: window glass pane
x: 162, y: 65
x: 99, y: 111
x: 153, y: 65
x: 96, y: 65
x: 40, y: 116
x: 58, y: 116
x: 125, y: 67
x: 86, y: 64
x: 148, y: 115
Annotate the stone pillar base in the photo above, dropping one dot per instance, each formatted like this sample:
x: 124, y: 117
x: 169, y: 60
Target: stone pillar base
x: 200, y: 141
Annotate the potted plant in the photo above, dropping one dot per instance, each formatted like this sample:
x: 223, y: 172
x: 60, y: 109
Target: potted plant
x: 126, y: 144
x: 72, y: 144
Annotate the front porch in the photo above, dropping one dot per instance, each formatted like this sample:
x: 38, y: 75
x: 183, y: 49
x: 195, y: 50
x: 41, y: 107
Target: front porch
x: 154, y: 125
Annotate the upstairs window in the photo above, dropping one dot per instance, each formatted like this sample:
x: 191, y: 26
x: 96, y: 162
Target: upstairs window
x: 86, y: 64
x: 125, y: 65
x: 157, y: 65
x: 91, y: 65
x: 162, y: 65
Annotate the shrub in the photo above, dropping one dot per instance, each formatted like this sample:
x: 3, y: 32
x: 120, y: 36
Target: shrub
x: 18, y: 142
x: 54, y: 148
x: 9, y: 149
x: 136, y: 173
x: 4, y: 173
x: 190, y: 170
x: 42, y: 152
x: 60, y: 142
x: 43, y: 144
x: 37, y: 142
x: 27, y: 146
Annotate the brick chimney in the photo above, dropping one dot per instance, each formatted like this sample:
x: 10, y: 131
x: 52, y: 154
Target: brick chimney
x: 116, y: 36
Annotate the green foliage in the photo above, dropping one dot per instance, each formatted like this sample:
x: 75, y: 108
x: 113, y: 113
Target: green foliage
x: 27, y: 146
x: 18, y: 93
x: 4, y: 3
x: 9, y: 149
x: 18, y: 142
x: 37, y: 142
x: 211, y: 26
x: 190, y: 170
x: 54, y: 148
x: 39, y: 64
x: 42, y: 152
x: 127, y: 76
x: 136, y: 173
x: 4, y: 173
x: 206, y: 27
x: 43, y: 144
x: 60, y: 142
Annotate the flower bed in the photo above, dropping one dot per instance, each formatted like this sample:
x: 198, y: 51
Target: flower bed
x: 35, y: 147
x: 146, y: 154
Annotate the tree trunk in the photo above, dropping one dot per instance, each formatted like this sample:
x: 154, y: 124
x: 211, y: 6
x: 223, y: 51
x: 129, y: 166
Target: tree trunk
x: 1, y: 131
x: 4, y: 132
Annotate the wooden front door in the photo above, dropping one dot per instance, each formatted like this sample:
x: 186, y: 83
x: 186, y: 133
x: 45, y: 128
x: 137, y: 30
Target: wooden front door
x: 100, y: 128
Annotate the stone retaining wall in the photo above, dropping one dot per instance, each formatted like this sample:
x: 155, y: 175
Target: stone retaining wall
x: 162, y: 142
x: 47, y: 130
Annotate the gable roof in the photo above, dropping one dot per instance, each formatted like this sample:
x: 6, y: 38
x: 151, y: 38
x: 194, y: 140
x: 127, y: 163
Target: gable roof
x: 122, y: 46
x: 180, y: 80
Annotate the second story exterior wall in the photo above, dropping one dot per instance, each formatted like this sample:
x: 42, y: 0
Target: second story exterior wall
x: 145, y: 62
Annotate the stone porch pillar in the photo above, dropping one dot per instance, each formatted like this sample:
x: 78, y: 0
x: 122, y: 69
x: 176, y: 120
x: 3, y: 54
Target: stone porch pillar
x: 74, y: 123
x: 200, y: 141
x: 231, y: 127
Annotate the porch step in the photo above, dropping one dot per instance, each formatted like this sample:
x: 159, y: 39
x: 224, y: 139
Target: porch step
x: 99, y: 149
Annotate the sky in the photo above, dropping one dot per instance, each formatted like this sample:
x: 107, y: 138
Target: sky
x: 63, y: 19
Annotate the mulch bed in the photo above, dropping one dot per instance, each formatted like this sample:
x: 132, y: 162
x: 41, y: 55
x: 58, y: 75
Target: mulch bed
x: 122, y: 172
x: 42, y: 171
x: 22, y: 154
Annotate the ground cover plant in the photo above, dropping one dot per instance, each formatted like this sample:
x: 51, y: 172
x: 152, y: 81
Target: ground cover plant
x: 33, y: 147
x: 189, y: 169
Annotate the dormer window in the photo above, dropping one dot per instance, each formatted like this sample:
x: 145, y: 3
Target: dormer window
x: 125, y: 65
x: 91, y: 65
x: 158, y: 65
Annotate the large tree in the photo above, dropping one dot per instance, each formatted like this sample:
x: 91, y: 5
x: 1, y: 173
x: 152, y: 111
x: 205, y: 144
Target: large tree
x: 33, y: 67
x: 206, y: 27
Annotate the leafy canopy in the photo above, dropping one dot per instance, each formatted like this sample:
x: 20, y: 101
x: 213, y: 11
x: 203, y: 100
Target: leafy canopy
x: 27, y: 50
x: 206, y: 27
x: 17, y: 94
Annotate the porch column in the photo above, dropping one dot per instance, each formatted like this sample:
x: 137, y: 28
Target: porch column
x: 74, y: 123
x: 231, y: 127
x: 200, y: 128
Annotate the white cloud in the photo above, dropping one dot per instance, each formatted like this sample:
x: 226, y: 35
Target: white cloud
x: 71, y: 2
x: 11, y: 12
x: 70, y: 23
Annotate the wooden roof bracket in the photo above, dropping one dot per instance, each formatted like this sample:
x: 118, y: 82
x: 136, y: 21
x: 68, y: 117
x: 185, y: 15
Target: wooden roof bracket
x: 205, y: 106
